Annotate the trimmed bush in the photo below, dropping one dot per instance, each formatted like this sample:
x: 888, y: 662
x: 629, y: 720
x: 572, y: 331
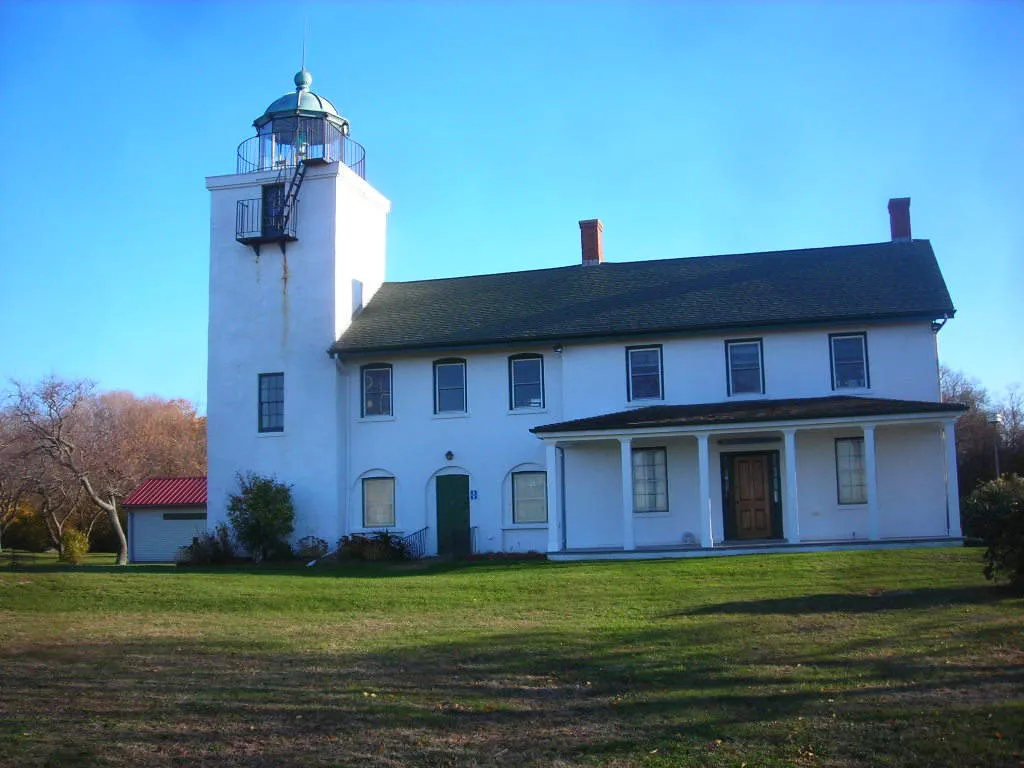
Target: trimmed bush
x: 74, y: 545
x: 263, y: 516
x: 311, y: 548
x: 996, y: 511
x: 209, y: 548
x: 377, y: 546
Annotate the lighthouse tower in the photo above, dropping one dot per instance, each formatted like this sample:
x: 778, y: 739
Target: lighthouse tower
x: 297, y: 246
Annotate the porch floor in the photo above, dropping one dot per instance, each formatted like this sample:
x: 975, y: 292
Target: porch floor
x: 727, y: 548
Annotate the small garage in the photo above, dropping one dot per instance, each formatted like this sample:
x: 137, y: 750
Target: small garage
x: 164, y: 514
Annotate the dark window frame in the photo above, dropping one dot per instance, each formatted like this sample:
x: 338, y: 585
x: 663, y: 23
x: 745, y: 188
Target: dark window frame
x: 729, y: 343
x: 390, y: 394
x: 656, y: 449
x: 267, y: 425
x: 530, y: 472
x: 832, y: 337
x: 465, y: 385
x: 629, y: 371
x: 394, y: 506
x: 512, y: 360
x: 839, y: 491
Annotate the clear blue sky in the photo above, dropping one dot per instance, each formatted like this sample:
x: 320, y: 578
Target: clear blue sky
x: 689, y: 128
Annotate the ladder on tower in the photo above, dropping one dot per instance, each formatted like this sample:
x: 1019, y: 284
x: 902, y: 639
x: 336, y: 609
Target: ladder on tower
x: 292, y: 194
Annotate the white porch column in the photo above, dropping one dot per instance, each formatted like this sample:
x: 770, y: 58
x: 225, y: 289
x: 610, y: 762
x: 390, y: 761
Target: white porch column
x: 792, y: 508
x: 707, y: 534
x: 626, y: 452
x: 555, y: 511
x: 952, y: 482
x: 871, y: 478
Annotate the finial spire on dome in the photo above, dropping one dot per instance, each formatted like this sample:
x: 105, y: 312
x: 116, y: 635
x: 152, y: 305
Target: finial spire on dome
x: 303, y: 79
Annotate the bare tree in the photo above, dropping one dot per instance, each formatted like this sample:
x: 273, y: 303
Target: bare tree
x: 54, y: 412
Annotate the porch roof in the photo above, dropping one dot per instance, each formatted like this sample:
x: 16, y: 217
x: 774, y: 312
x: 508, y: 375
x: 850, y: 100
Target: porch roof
x: 749, y: 411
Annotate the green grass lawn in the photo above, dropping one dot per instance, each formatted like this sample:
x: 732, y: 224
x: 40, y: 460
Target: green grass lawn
x: 895, y: 658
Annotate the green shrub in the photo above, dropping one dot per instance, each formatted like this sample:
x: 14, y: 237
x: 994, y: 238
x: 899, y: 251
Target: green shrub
x: 28, y: 532
x: 311, y: 548
x: 263, y: 516
x: 214, y: 547
x: 74, y: 545
x: 996, y: 511
x: 377, y: 546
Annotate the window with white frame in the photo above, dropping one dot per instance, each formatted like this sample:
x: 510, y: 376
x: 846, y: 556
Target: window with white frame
x: 851, y: 477
x: 271, y: 402
x: 526, y: 381
x: 378, y: 502
x: 849, y: 354
x: 650, y: 480
x: 450, y: 386
x: 529, y: 497
x: 376, y: 390
x: 644, y: 381
x: 743, y: 359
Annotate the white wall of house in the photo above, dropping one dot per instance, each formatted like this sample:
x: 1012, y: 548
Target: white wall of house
x: 902, y: 364
x: 280, y: 313
x: 488, y: 443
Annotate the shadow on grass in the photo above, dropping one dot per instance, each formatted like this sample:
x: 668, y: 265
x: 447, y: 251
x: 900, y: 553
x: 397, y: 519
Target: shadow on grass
x: 858, y: 603
x: 521, y: 698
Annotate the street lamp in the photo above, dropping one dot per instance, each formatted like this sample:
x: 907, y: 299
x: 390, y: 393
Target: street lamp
x: 996, y: 420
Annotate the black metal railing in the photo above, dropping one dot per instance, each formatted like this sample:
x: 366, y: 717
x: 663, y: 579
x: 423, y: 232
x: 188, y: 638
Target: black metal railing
x: 311, y: 140
x: 416, y: 543
x: 256, y: 223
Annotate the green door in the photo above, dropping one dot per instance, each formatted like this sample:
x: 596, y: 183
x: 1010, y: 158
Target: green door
x: 453, y: 515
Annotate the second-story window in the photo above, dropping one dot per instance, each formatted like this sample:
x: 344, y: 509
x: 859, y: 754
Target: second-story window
x: 450, y: 386
x: 376, y: 390
x: 746, y: 373
x: 849, y: 354
x: 644, y: 373
x: 526, y: 381
x: 271, y: 402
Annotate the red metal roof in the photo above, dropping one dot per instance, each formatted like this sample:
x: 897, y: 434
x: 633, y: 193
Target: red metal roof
x: 168, y: 492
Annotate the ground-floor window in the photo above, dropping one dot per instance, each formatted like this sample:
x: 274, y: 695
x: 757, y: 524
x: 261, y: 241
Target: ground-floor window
x: 650, y: 480
x: 529, y: 497
x: 850, y: 474
x: 378, y: 502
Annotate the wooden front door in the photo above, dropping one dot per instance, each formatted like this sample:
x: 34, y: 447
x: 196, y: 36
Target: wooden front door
x: 453, y: 534
x: 750, y: 483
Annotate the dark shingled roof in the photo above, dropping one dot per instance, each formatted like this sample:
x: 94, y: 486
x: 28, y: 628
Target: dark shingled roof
x: 818, y: 285
x: 749, y: 411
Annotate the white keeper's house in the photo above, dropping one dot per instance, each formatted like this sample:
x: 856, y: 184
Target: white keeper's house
x: 656, y: 408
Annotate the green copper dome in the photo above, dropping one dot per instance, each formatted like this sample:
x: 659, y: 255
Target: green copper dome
x: 303, y: 103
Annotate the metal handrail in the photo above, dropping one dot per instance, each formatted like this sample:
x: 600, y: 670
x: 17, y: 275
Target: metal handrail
x: 275, y: 151
x: 416, y: 543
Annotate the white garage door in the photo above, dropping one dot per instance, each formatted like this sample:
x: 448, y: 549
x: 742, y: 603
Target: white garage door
x: 156, y: 535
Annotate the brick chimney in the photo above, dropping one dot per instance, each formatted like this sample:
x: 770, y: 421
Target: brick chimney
x: 899, y: 218
x: 591, y: 239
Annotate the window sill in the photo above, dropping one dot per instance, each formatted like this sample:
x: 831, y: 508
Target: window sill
x: 525, y: 411
x: 451, y: 415
x: 282, y: 433
x: 644, y: 402
x: 389, y: 529
x: 371, y: 419
x: 655, y: 513
x: 525, y: 527
x: 746, y: 395
x: 865, y: 390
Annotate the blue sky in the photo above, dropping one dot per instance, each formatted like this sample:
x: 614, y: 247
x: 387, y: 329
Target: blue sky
x: 688, y: 128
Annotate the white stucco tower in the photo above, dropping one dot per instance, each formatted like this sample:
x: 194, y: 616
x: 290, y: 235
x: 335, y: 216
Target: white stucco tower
x: 297, y: 246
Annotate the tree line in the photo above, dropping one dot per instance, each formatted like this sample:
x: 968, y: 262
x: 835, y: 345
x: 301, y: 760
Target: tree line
x: 984, y: 441
x: 69, y: 455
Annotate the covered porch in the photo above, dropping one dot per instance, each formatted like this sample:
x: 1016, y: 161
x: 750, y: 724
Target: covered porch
x: 752, y: 476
